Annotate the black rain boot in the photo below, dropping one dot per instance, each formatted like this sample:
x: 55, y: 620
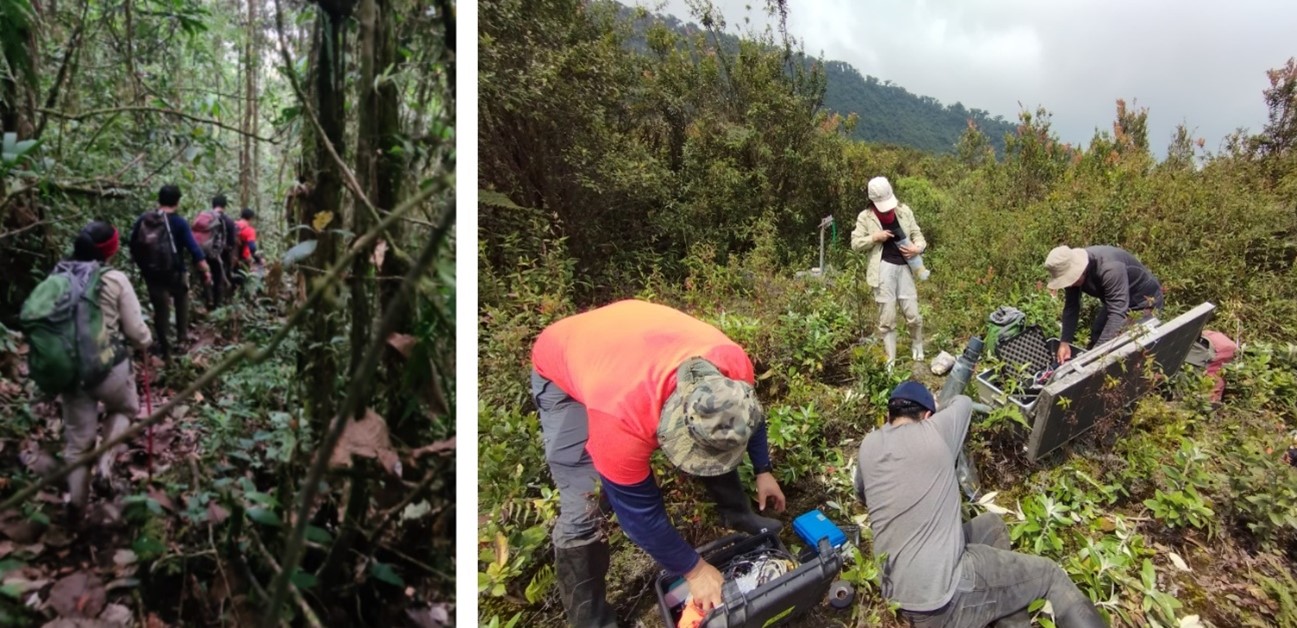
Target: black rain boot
x: 1081, y: 615
x: 581, y: 571
x: 735, y: 507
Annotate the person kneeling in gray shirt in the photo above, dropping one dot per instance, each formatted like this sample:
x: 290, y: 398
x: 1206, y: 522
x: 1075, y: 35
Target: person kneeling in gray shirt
x: 939, y: 570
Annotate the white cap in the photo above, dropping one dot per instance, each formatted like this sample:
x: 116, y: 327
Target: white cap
x: 880, y: 194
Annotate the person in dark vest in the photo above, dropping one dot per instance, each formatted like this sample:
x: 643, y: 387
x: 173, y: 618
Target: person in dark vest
x: 120, y: 308
x: 157, y: 239
x: 1128, y: 292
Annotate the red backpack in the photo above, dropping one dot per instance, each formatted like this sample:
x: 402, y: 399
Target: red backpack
x: 209, y: 232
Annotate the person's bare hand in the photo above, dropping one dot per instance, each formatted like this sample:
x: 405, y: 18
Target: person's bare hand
x: 909, y: 251
x: 705, y: 584
x: 1064, y: 352
x: 768, y: 488
x: 881, y: 236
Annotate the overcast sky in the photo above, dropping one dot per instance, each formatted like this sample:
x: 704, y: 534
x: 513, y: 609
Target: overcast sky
x: 1192, y: 61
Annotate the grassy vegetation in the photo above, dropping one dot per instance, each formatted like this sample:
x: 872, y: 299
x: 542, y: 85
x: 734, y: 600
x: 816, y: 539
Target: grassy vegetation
x: 1182, y: 509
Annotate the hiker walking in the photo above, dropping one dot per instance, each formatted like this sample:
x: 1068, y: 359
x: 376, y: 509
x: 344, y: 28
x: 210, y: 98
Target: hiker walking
x: 889, y: 275
x: 613, y: 385
x: 1127, y: 291
x: 75, y: 322
x: 937, y: 569
x: 157, y: 238
x: 215, y: 234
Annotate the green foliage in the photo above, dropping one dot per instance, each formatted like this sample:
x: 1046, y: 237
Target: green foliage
x: 694, y: 173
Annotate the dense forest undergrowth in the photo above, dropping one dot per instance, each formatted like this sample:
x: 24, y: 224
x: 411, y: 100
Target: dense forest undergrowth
x: 293, y: 463
x: 697, y: 178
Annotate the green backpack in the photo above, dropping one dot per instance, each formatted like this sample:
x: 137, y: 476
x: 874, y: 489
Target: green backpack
x: 69, y: 347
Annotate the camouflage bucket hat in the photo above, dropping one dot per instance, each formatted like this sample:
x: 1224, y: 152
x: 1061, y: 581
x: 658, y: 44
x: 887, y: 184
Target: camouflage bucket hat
x: 707, y: 421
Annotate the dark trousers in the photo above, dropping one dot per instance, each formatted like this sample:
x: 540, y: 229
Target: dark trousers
x: 1141, y: 312
x: 996, y: 585
x: 215, y: 292
x: 162, y: 291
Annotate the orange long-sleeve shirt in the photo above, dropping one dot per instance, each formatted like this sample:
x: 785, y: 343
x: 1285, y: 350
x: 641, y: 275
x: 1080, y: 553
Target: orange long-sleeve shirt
x: 620, y: 362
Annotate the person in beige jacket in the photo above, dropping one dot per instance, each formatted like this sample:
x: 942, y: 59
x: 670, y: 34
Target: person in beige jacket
x: 888, y: 275
x: 98, y: 242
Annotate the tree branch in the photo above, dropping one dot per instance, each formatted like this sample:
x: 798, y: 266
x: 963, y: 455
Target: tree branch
x: 159, y: 110
x: 356, y: 391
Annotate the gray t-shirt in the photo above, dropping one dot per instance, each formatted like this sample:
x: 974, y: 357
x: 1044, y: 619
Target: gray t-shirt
x: 906, y: 477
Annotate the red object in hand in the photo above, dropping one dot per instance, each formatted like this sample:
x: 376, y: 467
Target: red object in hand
x: 692, y: 617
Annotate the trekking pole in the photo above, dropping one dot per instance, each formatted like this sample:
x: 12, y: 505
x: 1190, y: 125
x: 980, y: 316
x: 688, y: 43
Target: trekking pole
x: 148, y: 406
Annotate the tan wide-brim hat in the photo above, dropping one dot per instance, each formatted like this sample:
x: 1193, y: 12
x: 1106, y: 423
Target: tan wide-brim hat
x: 706, y: 423
x: 1065, y: 265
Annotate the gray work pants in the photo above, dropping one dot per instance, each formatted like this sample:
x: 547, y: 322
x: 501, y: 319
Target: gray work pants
x: 81, y: 424
x: 564, y: 426
x: 995, y: 583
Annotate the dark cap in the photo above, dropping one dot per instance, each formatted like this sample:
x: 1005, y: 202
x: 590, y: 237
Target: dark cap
x: 915, y: 392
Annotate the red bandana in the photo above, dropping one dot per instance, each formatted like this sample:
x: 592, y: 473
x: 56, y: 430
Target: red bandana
x: 108, y: 248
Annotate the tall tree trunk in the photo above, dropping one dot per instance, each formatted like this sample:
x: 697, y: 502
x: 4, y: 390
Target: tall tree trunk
x: 250, y: 147
x: 321, y: 207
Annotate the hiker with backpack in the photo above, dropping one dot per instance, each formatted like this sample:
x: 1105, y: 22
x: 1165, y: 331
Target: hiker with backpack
x: 248, y: 237
x: 215, y: 233
x: 75, y: 322
x: 156, y: 240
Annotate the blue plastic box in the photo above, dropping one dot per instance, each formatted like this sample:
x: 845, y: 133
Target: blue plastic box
x: 813, y: 526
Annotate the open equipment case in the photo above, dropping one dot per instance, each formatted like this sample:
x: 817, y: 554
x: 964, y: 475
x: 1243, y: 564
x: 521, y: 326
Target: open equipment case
x: 773, y: 603
x: 1063, y: 402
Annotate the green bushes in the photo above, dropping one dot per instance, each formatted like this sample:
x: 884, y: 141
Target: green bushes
x: 696, y: 177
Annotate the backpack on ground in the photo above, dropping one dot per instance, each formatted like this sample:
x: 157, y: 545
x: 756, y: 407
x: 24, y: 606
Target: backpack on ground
x: 209, y: 232
x: 152, y: 247
x: 70, y: 347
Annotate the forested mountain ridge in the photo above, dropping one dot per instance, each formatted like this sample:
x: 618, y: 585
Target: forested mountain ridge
x: 887, y: 113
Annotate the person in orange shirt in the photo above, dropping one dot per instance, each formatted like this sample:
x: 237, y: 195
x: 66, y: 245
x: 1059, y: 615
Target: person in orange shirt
x: 246, y: 240
x: 616, y: 383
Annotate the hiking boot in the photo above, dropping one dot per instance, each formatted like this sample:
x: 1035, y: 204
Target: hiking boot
x: 735, y: 508
x: 1081, y: 615
x: 580, y: 573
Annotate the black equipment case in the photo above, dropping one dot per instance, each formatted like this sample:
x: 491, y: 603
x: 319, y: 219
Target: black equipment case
x: 772, y: 604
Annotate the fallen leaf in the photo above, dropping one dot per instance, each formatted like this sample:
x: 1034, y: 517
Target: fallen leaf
x: 78, y: 595
x: 1178, y: 562
x: 37, y: 460
x: 435, y: 616
x: 162, y: 498
x: 124, y: 557
x: 403, y: 343
x: 435, y: 448
x: 380, y: 252
x: 216, y: 514
x: 57, y: 537
x: 117, y: 615
x: 22, y: 531
x: 6, y: 548
x: 23, y: 584
x: 368, y: 438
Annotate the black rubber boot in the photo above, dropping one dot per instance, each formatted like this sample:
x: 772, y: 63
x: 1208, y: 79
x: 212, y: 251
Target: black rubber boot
x: 735, y: 507
x: 1081, y: 615
x: 581, y: 572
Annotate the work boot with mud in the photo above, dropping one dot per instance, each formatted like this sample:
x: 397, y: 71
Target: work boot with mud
x: 735, y: 507
x: 581, y: 575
